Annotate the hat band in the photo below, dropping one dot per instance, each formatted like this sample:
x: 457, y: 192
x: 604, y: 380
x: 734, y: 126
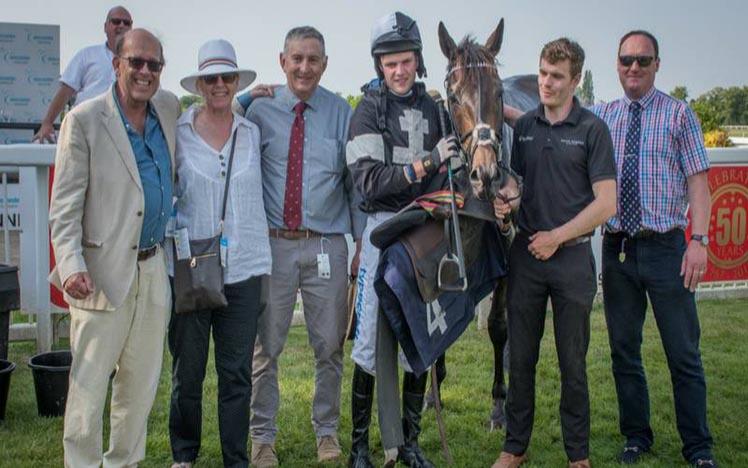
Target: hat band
x: 217, y: 61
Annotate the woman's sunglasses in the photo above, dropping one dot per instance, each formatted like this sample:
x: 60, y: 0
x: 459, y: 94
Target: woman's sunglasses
x: 227, y: 78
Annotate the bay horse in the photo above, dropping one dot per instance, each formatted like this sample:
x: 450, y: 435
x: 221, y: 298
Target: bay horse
x: 476, y: 94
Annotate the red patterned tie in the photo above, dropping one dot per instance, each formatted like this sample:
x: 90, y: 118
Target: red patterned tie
x: 292, y: 201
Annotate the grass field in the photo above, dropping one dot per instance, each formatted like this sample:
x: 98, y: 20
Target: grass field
x: 27, y: 440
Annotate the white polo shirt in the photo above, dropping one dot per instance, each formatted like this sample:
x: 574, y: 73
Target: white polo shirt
x: 90, y: 72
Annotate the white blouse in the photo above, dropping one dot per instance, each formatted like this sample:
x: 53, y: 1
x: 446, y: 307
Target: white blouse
x: 201, y: 177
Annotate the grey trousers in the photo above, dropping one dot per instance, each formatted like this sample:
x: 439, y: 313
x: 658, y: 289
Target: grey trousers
x: 294, y: 269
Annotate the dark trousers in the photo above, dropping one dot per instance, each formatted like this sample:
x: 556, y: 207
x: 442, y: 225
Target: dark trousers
x: 568, y: 278
x: 234, y: 329
x: 652, y: 268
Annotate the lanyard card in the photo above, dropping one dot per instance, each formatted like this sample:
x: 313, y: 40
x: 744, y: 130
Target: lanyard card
x: 182, y: 244
x: 323, y: 260
x: 224, y: 250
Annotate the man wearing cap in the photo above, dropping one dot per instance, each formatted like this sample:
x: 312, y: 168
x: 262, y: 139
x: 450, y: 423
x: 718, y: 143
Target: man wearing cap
x: 111, y: 200
x: 89, y: 73
x: 394, y: 150
x: 309, y: 204
x: 662, y: 169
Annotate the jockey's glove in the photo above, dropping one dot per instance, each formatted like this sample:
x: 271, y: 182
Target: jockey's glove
x: 445, y: 149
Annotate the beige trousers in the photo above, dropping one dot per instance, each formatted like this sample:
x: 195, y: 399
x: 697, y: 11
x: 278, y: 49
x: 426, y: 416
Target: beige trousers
x: 129, y: 340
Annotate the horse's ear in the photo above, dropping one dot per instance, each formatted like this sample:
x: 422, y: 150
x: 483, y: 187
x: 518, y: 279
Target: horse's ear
x: 446, y: 42
x: 493, y: 44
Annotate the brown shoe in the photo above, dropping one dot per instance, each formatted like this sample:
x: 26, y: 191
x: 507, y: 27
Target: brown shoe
x: 580, y: 463
x: 509, y: 460
x: 263, y: 455
x: 328, y: 449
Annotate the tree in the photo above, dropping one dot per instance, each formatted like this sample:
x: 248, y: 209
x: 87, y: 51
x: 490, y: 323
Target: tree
x: 730, y: 105
x: 186, y: 101
x: 586, y: 92
x: 354, y: 100
x: 708, y: 115
x: 680, y: 93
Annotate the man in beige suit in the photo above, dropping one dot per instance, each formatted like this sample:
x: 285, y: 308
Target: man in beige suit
x: 111, y: 200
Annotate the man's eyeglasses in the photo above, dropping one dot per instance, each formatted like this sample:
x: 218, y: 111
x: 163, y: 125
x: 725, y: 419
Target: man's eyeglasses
x: 643, y: 60
x: 136, y: 63
x: 119, y: 21
x: 227, y: 78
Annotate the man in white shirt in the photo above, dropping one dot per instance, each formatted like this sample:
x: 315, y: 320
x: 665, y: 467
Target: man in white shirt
x: 88, y: 74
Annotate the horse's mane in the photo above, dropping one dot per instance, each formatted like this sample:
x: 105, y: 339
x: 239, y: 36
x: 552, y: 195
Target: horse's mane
x: 469, y: 52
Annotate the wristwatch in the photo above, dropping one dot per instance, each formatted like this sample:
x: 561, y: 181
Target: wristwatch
x: 701, y: 239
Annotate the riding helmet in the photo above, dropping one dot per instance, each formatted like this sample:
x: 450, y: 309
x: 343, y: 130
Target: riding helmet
x: 396, y: 32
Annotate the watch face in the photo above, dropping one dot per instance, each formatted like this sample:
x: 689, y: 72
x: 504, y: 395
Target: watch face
x: 703, y: 240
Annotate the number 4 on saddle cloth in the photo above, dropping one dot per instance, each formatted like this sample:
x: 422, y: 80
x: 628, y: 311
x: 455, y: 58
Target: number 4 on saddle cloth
x: 424, y: 319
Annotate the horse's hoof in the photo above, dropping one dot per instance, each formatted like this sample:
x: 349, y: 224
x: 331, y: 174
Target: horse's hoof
x: 497, y: 420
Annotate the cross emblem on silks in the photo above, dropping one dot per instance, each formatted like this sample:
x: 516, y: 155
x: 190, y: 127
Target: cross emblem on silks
x: 412, y: 123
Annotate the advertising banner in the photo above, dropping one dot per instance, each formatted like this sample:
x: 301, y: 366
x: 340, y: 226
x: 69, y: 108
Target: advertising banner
x: 728, y: 224
x: 29, y: 73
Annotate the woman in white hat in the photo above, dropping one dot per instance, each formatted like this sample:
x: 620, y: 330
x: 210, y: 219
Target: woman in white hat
x: 204, y: 143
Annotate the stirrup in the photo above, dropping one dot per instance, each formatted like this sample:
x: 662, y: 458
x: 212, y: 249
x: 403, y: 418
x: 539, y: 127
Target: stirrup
x: 451, y: 259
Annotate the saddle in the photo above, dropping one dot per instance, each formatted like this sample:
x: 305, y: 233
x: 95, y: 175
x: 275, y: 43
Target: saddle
x: 425, y: 235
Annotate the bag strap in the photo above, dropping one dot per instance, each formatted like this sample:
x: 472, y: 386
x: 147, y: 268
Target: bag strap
x: 228, y: 180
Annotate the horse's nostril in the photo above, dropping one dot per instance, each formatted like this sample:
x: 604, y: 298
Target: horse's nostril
x: 475, y: 176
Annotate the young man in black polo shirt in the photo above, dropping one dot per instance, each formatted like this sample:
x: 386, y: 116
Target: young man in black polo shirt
x: 565, y: 156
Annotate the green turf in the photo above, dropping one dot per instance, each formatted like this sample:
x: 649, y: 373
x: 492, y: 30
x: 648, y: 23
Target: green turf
x: 27, y: 440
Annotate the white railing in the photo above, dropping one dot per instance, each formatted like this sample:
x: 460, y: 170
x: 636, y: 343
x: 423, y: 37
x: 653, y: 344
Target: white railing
x: 32, y: 162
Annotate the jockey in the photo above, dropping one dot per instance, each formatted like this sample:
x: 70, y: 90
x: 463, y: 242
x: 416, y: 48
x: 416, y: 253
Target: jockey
x: 394, y: 152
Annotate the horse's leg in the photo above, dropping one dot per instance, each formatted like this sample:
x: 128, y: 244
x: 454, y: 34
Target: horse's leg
x: 441, y: 373
x: 497, y: 331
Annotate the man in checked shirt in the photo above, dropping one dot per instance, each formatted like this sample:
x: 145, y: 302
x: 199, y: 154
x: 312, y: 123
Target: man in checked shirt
x: 662, y: 169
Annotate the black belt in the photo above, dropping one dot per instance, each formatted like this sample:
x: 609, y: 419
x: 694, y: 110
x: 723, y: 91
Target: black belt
x: 145, y: 254
x: 575, y: 241
x: 642, y: 234
x: 568, y: 243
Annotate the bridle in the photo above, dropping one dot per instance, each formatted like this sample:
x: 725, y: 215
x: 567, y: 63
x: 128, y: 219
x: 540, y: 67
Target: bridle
x: 482, y: 134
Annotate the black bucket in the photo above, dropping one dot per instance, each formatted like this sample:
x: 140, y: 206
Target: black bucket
x: 51, y: 372
x: 6, y: 368
x: 9, y: 300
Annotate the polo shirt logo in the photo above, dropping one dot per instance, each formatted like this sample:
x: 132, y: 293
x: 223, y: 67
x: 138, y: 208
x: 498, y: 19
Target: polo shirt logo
x: 523, y: 138
x: 570, y: 142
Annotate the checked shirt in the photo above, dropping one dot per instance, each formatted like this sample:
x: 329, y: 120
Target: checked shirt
x: 671, y: 148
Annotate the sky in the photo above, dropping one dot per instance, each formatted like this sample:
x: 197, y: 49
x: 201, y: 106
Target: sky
x: 702, y: 44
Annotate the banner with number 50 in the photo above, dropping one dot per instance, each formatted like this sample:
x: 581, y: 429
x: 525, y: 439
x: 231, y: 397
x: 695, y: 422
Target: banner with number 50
x: 728, y: 224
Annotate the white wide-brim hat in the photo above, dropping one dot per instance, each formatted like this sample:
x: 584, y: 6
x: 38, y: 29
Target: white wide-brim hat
x: 217, y: 57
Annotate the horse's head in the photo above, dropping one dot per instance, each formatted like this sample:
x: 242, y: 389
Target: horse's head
x: 474, y: 97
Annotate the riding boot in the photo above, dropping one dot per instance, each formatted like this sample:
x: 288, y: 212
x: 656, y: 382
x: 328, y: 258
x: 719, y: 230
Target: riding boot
x: 410, y: 453
x: 361, y: 397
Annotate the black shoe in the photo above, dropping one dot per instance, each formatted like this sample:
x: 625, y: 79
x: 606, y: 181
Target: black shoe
x: 410, y: 453
x: 704, y: 463
x: 631, y: 454
x: 361, y: 399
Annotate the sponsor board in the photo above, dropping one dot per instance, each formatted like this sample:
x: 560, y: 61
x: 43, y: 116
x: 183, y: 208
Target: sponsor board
x: 728, y: 224
x: 29, y: 73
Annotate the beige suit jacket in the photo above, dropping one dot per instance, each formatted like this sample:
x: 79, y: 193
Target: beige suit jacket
x: 96, y: 212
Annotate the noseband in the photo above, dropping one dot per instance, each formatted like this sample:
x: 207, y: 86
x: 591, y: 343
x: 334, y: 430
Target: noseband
x: 481, y: 134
